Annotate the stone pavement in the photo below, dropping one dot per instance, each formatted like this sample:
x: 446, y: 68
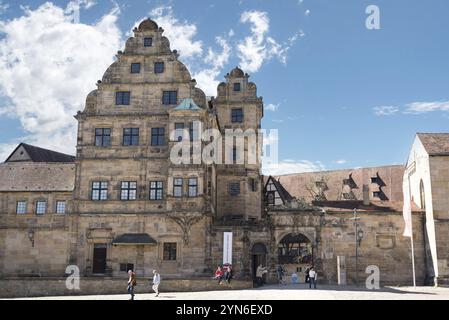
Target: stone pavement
x: 288, y: 292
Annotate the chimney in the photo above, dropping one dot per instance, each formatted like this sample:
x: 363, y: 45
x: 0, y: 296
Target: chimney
x: 366, y: 201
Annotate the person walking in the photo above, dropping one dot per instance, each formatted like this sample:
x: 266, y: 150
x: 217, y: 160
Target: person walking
x: 307, y: 275
x: 260, y: 271
x: 312, y: 278
x: 228, y: 274
x: 132, y: 282
x: 156, y: 282
x: 219, y: 274
x: 280, y: 273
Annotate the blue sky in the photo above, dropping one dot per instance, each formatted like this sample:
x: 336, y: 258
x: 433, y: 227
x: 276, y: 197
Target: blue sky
x: 342, y: 96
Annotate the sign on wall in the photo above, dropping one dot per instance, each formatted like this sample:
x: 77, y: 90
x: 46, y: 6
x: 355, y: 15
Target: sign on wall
x: 227, y: 247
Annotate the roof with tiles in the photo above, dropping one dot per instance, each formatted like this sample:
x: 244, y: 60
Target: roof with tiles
x: 33, y: 177
x: 435, y: 143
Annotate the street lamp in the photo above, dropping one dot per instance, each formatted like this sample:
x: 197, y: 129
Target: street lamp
x: 357, y: 239
x: 31, y: 237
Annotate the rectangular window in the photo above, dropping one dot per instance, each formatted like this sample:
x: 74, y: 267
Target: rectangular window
x: 156, y: 190
x: 375, y: 180
x: 193, y: 187
x: 159, y: 67
x: 271, y: 197
x: 60, y: 207
x: 170, y: 97
x: 376, y: 194
x: 170, y: 251
x: 103, y: 137
x: 21, y: 207
x: 237, y: 86
x: 157, y: 136
x: 128, y: 190
x: 253, y: 184
x: 135, y: 67
x: 179, y: 131
x: 234, y: 189
x: 148, y: 42
x: 125, y: 267
x: 234, y: 154
x: 41, y: 207
x: 237, y: 115
x: 131, y: 136
x: 177, y: 187
x: 122, y: 98
x: 99, y: 190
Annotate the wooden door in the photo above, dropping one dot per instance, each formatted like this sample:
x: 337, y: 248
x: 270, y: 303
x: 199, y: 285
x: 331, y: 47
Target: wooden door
x: 99, y: 259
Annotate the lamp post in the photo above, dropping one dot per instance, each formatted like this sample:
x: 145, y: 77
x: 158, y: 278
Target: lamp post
x: 358, y: 235
x: 31, y: 237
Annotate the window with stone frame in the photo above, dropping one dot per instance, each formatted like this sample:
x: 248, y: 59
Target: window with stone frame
x: 193, y: 187
x: 156, y: 190
x: 102, y: 137
x: 237, y: 86
x: 60, y: 207
x: 234, y: 189
x: 99, y: 190
x: 125, y: 267
x: 41, y: 207
x: 131, y: 136
x: 122, y: 98
x: 128, y: 190
x: 253, y: 184
x: 169, y: 97
x: 237, y: 115
x: 169, y: 251
x: 21, y: 207
x: 159, y: 67
x: 177, y: 187
x: 157, y: 136
x: 148, y: 42
x: 135, y: 67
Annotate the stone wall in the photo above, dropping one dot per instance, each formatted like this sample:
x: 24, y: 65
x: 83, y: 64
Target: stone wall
x: 44, y: 287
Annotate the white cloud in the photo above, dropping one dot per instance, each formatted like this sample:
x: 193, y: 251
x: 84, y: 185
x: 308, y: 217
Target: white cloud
x: 413, y: 108
x: 307, y: 13
x: 385, y: 110
x: 272, y: 107
x: 47, y: 67
x: 180, y: 33
x: 288, y: 166
x: 341, y: 161
x: 207, y: 78
x: 257, y: 48
x: 425, y: 107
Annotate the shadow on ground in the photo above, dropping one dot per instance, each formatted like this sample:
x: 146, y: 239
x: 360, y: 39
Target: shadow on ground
x: 340, y: 288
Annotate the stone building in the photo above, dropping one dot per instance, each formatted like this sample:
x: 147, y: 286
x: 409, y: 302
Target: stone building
x: 123, y: 203
x: 427, y: 171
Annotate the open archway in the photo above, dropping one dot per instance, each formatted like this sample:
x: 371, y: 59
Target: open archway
x: 295, y: 249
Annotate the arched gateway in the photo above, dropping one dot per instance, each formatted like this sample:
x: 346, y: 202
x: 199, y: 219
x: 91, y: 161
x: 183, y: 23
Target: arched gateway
x: 295, y: 252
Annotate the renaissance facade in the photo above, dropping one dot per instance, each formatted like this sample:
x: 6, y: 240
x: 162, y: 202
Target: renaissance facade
x: 121, y: 203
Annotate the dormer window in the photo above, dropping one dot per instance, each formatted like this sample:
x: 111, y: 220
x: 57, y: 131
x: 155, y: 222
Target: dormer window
x: 148, y: 42
x: 237, y: 86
